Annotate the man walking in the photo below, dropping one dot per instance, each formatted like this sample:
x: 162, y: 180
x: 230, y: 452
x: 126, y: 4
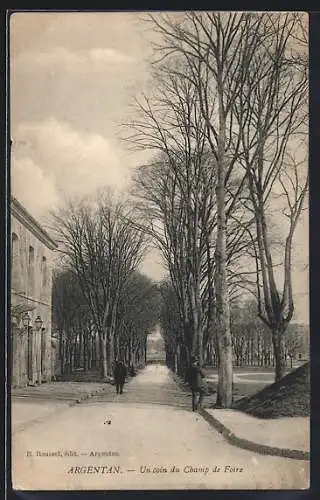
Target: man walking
x: 197, y: 384
x: 119, y: 374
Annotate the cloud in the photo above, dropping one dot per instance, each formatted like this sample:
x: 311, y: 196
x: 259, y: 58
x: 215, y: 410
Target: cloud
x: 33, y: 188
x: 53, y: 161
x: 111, y: 56
x: 73, y: 60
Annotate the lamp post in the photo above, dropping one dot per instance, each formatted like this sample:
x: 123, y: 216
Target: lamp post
x: 38, y: 347
x: 28, y: 340
x: 26, y: 320
x: 38, y: 323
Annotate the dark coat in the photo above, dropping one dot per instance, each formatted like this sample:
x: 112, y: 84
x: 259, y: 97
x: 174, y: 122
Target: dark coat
x: 196, y: 378
x: 119, y: 372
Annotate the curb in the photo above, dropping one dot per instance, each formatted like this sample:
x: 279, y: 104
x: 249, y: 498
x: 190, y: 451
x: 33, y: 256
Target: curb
x: 88, y: 395
x: 250, y: 445
x: 245, y: 444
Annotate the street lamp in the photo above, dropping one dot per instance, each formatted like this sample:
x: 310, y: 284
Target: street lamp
x: 37, y: 349
x: 26, y: 319
x: 26, y: 322
x: 38, y: 323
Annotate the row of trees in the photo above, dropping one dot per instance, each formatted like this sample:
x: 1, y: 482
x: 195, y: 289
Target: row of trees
x: 251, y: 338
x: 226, y: 117
x: 103, y: 308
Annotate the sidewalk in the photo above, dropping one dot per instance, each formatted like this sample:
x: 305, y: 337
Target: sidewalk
x: 288, y: 437
x: 31, y: 405
x: 61, y: 390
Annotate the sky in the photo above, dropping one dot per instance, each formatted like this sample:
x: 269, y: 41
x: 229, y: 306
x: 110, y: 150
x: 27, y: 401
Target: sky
x: 72, y: 77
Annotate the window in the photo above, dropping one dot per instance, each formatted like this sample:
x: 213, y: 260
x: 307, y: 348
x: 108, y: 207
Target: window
x: 15, y: 262
x: 31, y: 271
x: 44, y: 272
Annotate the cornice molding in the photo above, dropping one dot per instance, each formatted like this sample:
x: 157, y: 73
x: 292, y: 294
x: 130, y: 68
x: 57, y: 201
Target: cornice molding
x: 21, y: 214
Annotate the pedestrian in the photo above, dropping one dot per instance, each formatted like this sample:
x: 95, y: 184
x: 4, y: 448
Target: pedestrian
x: 119, y: 374
x: 197, y: 384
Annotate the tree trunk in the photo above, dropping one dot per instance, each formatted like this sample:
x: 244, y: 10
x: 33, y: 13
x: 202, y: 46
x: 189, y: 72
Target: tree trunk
x: 224, y: 389
x: 278, y: 349
x: 117, y: 352
x: 93, y: 350
x: 224, y: 393
x: 62, y: 350
x: 103, y: 355
x: 130, y: 351
x: 111, y: 342
x: 110, y: 354
x: 145, y: 349
x: 68, y: 355
x: 85, y: 352
x: 72, y: 356
x: 187, y: 353
x: 80, y: 361
x: 199, y: 333
x: 196, y: 328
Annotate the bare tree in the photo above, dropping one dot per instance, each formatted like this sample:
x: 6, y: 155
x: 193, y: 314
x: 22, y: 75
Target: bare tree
x: 271, y: 114
x: 175, y: 193
x: 218, y: 49
x: 72, y: 320
x: 294, y: 343
x: 67, y: 313
x: 251, y: 338
x: 137, y: 317
x: 170, y: 327
x: 103, y: 248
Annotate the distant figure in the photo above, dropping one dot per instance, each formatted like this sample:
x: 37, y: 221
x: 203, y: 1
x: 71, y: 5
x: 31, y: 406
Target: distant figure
x: 197, y: 384
x: 119, y: 374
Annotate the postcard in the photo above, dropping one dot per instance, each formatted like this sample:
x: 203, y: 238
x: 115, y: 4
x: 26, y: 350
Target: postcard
x: 159, y: 258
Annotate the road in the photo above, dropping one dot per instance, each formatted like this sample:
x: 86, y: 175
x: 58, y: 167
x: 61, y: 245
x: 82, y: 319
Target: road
x: 146, y: 438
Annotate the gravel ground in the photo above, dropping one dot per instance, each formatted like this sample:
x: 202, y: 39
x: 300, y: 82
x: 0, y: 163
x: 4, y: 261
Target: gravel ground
x: 129, y: 442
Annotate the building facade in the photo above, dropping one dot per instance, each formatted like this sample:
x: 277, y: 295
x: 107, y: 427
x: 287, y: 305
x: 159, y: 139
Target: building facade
x: 31, y: 289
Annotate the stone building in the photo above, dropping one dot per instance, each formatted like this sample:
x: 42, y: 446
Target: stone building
x: 31, y: 288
